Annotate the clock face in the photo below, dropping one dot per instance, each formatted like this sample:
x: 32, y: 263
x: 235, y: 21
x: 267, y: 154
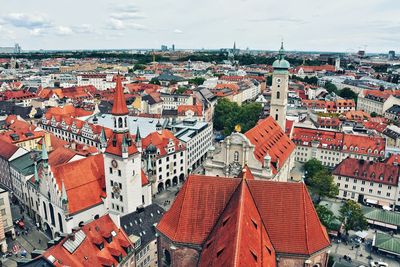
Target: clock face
x: 278, y: 80
x: 114, y: 163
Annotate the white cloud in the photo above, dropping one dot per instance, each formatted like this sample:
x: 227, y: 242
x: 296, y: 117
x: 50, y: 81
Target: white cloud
x: 28, y: 21
x: 116, y: 24
x: 36, y: 32
x: 63, y: 30
x: 178, y: 31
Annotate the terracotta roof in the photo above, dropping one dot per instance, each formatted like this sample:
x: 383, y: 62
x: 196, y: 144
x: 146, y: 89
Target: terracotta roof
x: 269, y: 138
x: 7, y: 149
x: 161, y: 141
x: 197, y: 109
x: 379, y: 172
x: 87, y: 253
x: 83, y: 180
x: 114, y: 145
x: 60, y: 155
x: 239, y: 237
x: 204, y: 201
x: 119, y: 105
x: 144, y: 178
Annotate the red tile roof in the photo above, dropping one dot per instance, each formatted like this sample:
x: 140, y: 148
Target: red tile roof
x: 204, y: 201
x: 87, y: 253
x: 60, y: 155
x: 119, y: 105
x: 7, y: 149
x: 239, y: 237
x: 83, y: 180
x: 160, y: 141
x: 197, y: 109
x: 379, y: 172
x: 269, y: 138
x: 114, y: 145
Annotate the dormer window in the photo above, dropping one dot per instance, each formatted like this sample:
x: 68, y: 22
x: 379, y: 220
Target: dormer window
x: 381, y: 177
x: 372, y: 175
x: 100, y: 245
x: 108, y: 239
x: 356, y: 172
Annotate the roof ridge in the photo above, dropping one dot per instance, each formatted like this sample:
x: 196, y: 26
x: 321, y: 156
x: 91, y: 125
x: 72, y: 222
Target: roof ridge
x: 305, y: 217
x: 239, y: 217
x: 188, y: 180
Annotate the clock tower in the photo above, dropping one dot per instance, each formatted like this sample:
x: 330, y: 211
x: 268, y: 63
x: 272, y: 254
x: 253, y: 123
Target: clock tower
x: 280, y: 88
x: 122, y: 160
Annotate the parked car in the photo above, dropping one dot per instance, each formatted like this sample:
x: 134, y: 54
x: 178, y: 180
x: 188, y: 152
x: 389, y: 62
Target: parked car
x: 378, y: 264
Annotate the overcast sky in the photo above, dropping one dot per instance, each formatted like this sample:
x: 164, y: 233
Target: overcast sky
x: 308, y: 25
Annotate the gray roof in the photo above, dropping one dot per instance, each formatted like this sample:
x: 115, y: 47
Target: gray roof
x: 142, y: 223
x: 25, y: 164
x: 168, y: 76
x: 145, y: 125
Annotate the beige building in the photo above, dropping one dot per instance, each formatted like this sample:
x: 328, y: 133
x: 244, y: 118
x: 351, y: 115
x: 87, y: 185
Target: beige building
x: 6, y: 220
x: 369, y: 182
x: 265, y: 149
x: 376, y: 101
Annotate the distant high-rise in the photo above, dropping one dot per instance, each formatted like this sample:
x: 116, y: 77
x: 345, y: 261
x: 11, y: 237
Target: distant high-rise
x: 16, y: 49
x: 391, y: 55
x: 164, y: 48
x: 173, y: 47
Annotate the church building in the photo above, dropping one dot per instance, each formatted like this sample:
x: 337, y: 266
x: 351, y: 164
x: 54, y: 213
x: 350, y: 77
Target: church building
x: 265, y: 149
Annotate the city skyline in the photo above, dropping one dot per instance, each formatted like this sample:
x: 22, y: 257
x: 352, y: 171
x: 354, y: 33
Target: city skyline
x: 341, y: 26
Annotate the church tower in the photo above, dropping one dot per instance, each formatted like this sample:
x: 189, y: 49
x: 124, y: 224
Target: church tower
x: 280, y: 88
x: 122, y: 160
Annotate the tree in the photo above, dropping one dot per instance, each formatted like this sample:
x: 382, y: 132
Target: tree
x: 197, y: 81
x: 155, y: 81
x: 139, y: 67
x: 374, y: 114
x: 347, y: 93
x: 322, y: 184
x: 312, y: 166
x: 330, y: 87
x: 228, y: 114
x: 352, y: 217
x: 269, y: 80
x: 326, y: 216
x: 180, y: 90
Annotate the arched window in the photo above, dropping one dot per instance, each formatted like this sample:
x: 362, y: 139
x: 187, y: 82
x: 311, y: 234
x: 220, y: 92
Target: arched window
x: 115, y: 123
x: 45, y: 210
x: 126, y: 124
x: 53, y: 221
x: 167, y: 258
x: 120, y: 123
x: 276, y: 117
x: 278, y: 95
x: 236, y: 156
x: 60, y: 222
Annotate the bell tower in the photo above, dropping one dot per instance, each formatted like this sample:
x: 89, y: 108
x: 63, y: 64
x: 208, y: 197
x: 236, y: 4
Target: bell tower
x: 122, y: 160
x: 280, y: 88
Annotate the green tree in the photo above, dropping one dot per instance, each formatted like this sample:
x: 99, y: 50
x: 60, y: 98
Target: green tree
x: 374, y: 114
x: 330, y: 87
x: 269, y: 80
x: 180, y: 90
x: 139, y: 67
x: 352, y: 216
x: 322, y: 184
x: 313, y: 166
x: 155, y: 81
x: 326, y: 216
x: 347, y: 93
x: 197, y: 81
x: 228, y: 114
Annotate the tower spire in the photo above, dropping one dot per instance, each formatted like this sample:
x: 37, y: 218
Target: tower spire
x: 45, y: 156
x: 119, y: 107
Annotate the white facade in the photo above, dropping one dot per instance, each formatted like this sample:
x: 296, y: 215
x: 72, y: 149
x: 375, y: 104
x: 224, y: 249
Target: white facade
x: 280, y: 87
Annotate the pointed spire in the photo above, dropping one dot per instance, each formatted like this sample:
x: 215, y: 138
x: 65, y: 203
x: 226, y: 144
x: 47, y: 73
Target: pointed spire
x: 103, y: 138
x: 64, y: 197
x: 138, y: 138
x: 36, y: 176
x: 119, y: 106
x: 45, y: 156
x: 281, y: 52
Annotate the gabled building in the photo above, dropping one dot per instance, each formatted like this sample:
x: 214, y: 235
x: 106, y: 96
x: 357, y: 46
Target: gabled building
x: 8, y: 152
x: 217, y: 221
x: 368, y: 182
x: 98, y: 243
x: 265, y: 149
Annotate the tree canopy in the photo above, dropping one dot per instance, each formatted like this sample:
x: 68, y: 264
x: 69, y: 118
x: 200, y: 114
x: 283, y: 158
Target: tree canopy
x: 347, y: 93
x: 352, y: 216
x: 228, y: 114
x: 197, y: 81
x: 319, y: 180
x: 326, y: 216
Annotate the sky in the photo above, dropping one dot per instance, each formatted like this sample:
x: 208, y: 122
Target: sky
x: 307, y: 25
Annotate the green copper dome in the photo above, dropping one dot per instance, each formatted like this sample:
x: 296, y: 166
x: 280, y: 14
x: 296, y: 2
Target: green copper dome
x: 281, y: 63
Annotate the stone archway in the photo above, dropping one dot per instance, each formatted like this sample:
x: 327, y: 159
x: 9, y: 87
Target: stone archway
x: 181, y: 178
x: 168, y: 183
x: 160, y: 187
x: 174, y: 181
x: 47, y: 230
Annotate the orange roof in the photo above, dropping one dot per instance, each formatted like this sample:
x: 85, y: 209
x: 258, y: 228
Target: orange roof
x: 232, y: 86
x: 60, y: 155
x: 7, y: 149
x: 119, y: 105
x: 68, y: 110
x: 144, y: 178
x: 269, y: 138
x: 83, y: 180
x: 114, y: 145
x: 239, y: 237
x: 315, y: 68
x: 203, y: 202
x: 161, y: 141
x: 87, y: 253
x: 197, y: 109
